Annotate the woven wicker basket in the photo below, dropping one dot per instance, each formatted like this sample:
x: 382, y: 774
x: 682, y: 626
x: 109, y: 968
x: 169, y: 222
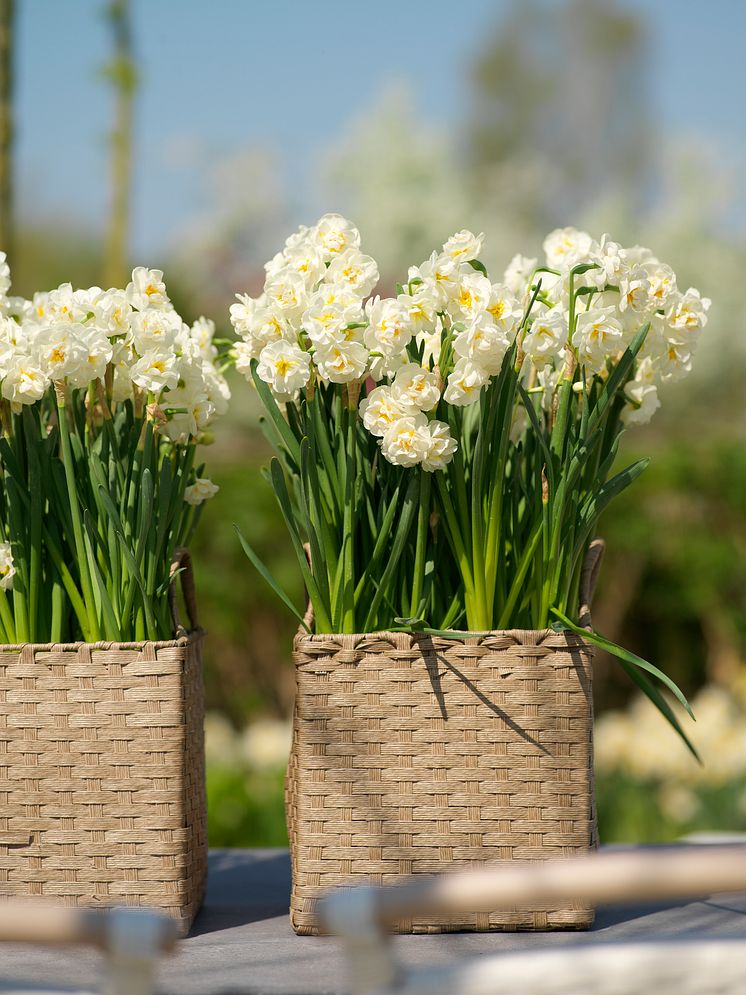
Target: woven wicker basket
x: 414, y: 754
x: 102, y: 792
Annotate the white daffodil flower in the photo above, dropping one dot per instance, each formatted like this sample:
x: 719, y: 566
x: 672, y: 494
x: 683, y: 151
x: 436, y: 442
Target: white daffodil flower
x: 389, y: 327
x: 353, y: 269
x: 381, y: 409
x: 4, y: 275
x: 634, y: 291
x: 201, y: 490
x: 155, y: 371
x: 598, y: 336
x: 342, y: 363
x: 471, y: 294
x: 154, y: 330
x: 518, y: 273
x: 566, y: 247
x: 546, y: 336
x: 7, y: 570
x: 335, y: 234
x: 463, y: 246
x: 416, y: 386
x: 408, y: 441
x: 465, y: 383
x: 147, y: 289
x: 25, y: 382
x: 287, y: 292
x: 483, y: 343
x: 326, y: 321
x: 687, y: 312
x: 285, y: 367
x: 441, y: 449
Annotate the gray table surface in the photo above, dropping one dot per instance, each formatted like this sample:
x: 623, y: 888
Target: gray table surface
x: 242, y: 942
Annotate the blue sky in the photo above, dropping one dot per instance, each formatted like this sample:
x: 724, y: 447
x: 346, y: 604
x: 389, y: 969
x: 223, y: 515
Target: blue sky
x: 292, y: 76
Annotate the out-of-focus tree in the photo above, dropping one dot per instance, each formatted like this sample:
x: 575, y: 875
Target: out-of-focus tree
x: 564, y: 84
x: 121, y: 72
x: 6, y: 126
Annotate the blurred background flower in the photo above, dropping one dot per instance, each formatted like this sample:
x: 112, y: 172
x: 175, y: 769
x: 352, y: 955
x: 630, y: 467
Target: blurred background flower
x: 195, y: 140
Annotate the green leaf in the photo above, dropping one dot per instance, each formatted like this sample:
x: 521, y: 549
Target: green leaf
x: 270, y: 404
x: 478, y: 266
x: 625, y: 655
x: 269, y: 578
x: 652, y: 692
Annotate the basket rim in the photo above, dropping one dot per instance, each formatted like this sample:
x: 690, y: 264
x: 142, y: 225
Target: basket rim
x: 194, y: 635
x: 532, y: 637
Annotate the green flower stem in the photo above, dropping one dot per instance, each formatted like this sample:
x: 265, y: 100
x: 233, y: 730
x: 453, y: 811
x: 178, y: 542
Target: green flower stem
x: 423, y: 522
x: 6, y: 616
x: 80, y: 548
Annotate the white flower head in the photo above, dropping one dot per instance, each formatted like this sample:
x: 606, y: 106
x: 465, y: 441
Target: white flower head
x: 155, y: 371
x: 155, y: 330
x: 4, y: 275
x: 7, y: 570
x: 416, y: 386
x: 285, y: 367
x: 518, y: 273
x: 662, y: 280
x: 463, y: 246
x: 471, y: 294
x: 335, y: 234
x: 329, y: 315
x: 441, y: 449
x: 202, y: 333
x: 634, y: 291
x: 441, y: 274
x: 355, y: 270
x: 566, y: 247
x: 342, y: 362
x: 421, y: 306
x: 114, y: 313
x: 484, y: 343
x: 287, y: 292
x: 408, y: 441
x: 598, y: 336
x: 243, y: 353
x: 61, y: 351
x: 465, y: 383
x: 389, y: 328
x: 201, y: 490
x: 25, y: 382
x: 642, y: 403
x: 381, y: 409
x: 546, y: 336
x: 687, y: 313
x: 147, y: 289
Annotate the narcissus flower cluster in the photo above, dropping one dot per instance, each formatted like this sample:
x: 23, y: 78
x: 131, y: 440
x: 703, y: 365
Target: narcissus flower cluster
x: 443, y: 337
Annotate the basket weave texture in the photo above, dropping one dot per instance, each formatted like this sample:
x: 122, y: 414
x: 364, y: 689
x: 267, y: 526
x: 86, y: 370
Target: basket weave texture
x: 102, y: 792
x: 415, y: 754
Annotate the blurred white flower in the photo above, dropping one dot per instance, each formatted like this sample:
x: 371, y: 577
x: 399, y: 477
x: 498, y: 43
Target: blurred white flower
x: 566, y: 247
x: 7, y: 570
x: 201, y: 490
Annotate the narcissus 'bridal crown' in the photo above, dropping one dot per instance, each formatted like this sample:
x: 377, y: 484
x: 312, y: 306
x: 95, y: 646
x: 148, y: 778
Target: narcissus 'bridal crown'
x: 444, y: 454
x: 104, y: 396
x: 445, y: 335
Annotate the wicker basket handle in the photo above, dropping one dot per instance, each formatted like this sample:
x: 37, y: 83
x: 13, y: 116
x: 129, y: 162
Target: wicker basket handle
x: 589, y: 578
x: 181, y: 565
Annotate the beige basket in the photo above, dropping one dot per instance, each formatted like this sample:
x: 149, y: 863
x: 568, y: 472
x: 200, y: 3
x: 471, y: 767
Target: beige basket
x: 414, y: 754
x: 102, y: 787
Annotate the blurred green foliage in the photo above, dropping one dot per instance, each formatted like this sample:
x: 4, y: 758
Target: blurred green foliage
x: 245, y: 809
